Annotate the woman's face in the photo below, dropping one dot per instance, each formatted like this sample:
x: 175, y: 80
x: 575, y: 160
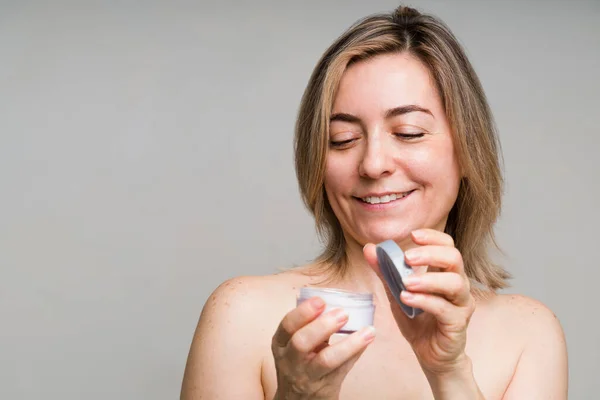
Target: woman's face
x: 391, y: 166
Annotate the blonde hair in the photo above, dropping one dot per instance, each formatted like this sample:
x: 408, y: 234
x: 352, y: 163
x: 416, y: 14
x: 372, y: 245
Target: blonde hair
x: 471, y: 220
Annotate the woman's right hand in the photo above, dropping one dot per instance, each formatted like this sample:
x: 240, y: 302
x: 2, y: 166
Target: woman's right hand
x: 307, y: 366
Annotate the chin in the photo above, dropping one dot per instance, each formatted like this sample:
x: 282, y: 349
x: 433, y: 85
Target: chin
x: 379, y: 235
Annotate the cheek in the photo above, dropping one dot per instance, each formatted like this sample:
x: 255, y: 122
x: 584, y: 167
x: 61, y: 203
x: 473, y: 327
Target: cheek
x: 435, y: 164
x: 338, y: 170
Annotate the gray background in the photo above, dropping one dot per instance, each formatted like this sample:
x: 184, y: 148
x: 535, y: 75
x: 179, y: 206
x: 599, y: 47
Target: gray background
x: 146, y: 156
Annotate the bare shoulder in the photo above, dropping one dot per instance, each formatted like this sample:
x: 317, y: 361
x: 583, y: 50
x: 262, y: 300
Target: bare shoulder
x: 234, y: 332
x: 528, y: 313
x: 243, y: 294
x: 542, y: 367
x: 527, y: 331
x: 238, y: 295
x: 251, y: 303
x: 532, y: 326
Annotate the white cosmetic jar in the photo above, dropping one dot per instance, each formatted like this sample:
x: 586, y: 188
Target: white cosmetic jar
x: 359, y: 306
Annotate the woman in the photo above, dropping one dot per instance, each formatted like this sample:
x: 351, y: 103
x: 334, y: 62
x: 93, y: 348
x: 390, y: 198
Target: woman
x: 394, y: 140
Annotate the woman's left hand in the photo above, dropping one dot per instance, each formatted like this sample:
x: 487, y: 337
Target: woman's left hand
x: 438, y: 336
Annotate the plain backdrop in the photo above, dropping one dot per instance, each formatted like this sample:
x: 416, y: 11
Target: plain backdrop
x: 146, y: 156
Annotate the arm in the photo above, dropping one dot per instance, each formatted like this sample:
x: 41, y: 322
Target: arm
x: 542, y: 370
x: 455, y: 385
x: 459, y: 384
x: 224, y: 361
x: 439, y: 335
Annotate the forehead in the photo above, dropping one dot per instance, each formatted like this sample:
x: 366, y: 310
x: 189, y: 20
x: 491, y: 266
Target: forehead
x: 386, y: 81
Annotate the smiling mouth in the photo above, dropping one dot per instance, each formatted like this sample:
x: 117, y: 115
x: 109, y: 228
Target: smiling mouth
x: 388, y: 198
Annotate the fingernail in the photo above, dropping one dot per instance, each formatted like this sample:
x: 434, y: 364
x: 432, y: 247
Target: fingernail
x: 368, y: 334
x: 339, y: 314
x: 411, y: 254
x: 411, y: 280
x: 418, y: 234
x: 407, y: 295
x: 317, y: 303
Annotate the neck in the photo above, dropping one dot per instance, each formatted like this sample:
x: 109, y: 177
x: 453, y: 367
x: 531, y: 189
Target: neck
x: 359, y: 276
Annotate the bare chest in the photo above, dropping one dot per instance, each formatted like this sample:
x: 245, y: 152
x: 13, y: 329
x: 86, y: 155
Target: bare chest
x: 388, y: 369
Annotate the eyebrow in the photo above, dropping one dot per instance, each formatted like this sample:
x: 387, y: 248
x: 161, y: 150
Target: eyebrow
x: 405, y: 110
x: 393, y: 112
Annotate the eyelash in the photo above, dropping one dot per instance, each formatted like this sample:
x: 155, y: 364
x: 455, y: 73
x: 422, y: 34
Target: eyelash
x: 410, y: 136
x: 342, y: 143
x: 405, y: 136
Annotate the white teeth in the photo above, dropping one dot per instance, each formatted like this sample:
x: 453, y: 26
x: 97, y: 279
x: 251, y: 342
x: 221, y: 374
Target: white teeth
x: 384, y: 199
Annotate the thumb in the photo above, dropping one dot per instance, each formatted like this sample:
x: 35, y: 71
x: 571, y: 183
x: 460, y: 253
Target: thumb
x: 370, y: 253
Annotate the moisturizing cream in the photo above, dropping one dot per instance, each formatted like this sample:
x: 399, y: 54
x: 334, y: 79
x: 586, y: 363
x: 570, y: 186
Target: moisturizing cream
x: 359, y: 306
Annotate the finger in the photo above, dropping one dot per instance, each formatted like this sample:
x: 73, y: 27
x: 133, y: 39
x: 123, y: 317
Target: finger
x: 312, y: 335
x: 340, y: 372
x: 335, y: 355
x: 432, y: 236
x: 454, y: 287
x: 320, y: 347
x: 444, y: 311
x: 448, y: 258
x: 370, y: 253
x: 304, y: 313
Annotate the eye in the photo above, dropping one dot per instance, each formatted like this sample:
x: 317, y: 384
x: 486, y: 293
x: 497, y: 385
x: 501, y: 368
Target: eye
x: 341, y: 144
x: 342, y: 140
x: 410, y: 136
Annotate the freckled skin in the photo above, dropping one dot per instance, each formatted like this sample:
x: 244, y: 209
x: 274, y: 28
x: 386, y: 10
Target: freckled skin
x: 515, y: 343
x: 498, y: 332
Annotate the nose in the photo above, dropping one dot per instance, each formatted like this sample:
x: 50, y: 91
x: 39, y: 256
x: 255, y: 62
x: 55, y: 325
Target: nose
x: 377, y: 159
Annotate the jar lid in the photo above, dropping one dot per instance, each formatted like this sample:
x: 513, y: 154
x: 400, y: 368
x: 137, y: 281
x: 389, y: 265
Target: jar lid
x: 394, y: 269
